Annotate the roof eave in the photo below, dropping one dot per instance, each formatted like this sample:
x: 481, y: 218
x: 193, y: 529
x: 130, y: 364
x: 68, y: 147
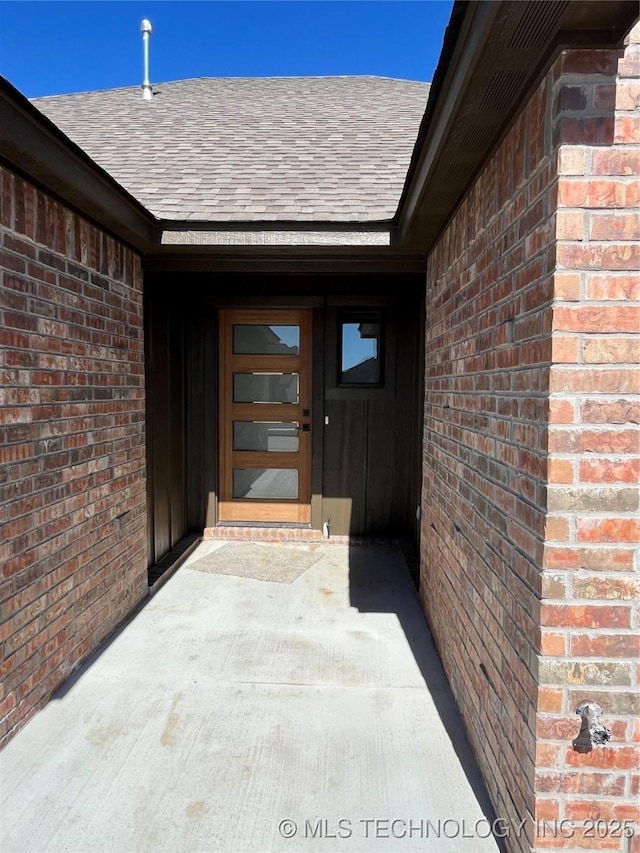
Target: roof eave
x: 33, y: 147
x: 440, y: 172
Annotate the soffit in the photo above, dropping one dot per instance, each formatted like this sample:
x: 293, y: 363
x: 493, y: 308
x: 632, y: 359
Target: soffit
x: 493, y: 55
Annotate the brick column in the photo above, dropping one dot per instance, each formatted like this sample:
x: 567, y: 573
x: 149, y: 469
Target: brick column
x: 589, y: 615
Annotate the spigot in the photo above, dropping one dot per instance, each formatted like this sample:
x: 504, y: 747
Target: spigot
x: 592, y: 732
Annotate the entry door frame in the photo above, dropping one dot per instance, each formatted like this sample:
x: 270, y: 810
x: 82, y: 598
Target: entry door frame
x: 253, y: 510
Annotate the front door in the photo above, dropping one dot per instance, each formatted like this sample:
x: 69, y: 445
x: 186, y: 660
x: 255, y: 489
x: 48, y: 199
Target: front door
x: 265, y: 415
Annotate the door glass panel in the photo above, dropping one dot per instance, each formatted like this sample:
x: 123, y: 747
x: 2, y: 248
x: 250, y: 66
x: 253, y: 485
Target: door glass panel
x: 266, y: 340
x: 281, y: 437
x: 265, y: 387
x: 265, y: 483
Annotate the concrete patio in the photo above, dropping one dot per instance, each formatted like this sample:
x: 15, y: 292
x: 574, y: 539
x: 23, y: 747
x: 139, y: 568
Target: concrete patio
x: 267, y: 698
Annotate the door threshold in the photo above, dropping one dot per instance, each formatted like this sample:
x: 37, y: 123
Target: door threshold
x: 286, y: 525
x: 250, y: 532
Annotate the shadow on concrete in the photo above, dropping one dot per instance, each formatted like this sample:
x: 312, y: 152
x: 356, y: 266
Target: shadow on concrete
x: 158, y: 576
x: 380, y: 582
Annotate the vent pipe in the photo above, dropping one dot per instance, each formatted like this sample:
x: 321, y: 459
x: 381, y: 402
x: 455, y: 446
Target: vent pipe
x: 145, y: 29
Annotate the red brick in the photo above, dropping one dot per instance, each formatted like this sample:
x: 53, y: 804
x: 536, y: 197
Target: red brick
x: 622, y: 411
x: 601, y: 811
x: 601, y: 62
x: 585, y: 616
x: 567, y: 286
x: 564, y: 350
x: 584, y: 130
x: 547, y: 754
x: 593, y: 440
x: 611, y: 350
x: 598, y: 256
x: 547, y: 809
x: 614, y: 287
x: 586, y: 381
x: 553, y: 644
x: 622, y: 758
x: 604, y: 96
x: 550, y: 699
x: 570, y: 225
x: 591, y: 559
x: 597, y: 319
x: 556, y: 528
x: 605, y: 645
x: 602, y: 784
x: 609, y: 530
x: 606, y: 588
x: 627, y: 129
x: 573, y: 192
x: 615, y: 161
x: 561, y: 411
x: 571, y: 160
x: 610, y: 471
x: 613, y: 226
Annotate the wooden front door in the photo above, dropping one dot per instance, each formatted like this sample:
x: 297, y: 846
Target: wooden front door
x: 265, y: 415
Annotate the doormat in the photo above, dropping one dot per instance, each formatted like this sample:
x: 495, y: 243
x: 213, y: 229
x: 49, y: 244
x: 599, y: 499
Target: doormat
x: 260, y: 561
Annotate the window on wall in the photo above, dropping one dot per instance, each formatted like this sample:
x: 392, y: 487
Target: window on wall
x: 361, y: 346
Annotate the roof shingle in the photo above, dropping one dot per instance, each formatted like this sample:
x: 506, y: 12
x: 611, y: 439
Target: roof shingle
x: 253, y: 149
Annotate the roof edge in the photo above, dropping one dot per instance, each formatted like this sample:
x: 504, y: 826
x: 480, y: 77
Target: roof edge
x: 438, y: 166
x: 34, y: 147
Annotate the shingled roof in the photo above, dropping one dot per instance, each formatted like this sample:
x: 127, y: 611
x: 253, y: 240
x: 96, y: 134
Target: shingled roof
x: 314, y: 149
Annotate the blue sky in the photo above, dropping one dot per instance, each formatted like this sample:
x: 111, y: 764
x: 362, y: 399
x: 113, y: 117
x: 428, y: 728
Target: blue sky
x: 49, y: 48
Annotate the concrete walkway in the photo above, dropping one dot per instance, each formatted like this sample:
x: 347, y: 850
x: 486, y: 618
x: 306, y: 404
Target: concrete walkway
x: 267, y: 698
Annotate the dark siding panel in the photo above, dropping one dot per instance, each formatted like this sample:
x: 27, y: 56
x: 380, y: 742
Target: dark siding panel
x: 149, y: 420
x: 372, y: 445
x: 158, y: 373
x: 345, y: 466
x: 210, y: 391
x: 195, y: 419
x: 409, y: 395
x: 165, y: 422
x: 177, y: 434
x: 201, y: 390
x: 414, y: 394
x: 384, y: 502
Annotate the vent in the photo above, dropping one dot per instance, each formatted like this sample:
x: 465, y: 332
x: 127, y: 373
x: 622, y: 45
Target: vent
x: 501, y: 89
x: 538, y: 24
x: 453, y: 173
x: 477, y: 138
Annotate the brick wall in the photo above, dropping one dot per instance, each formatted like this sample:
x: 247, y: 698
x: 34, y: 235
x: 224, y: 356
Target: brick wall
x: 590, y: 643
x: 72, y: 475
x: 528, y: 590
x: 488, y: 348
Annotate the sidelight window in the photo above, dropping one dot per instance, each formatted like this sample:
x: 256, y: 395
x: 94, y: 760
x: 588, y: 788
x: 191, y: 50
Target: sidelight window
x: 361, y: 342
